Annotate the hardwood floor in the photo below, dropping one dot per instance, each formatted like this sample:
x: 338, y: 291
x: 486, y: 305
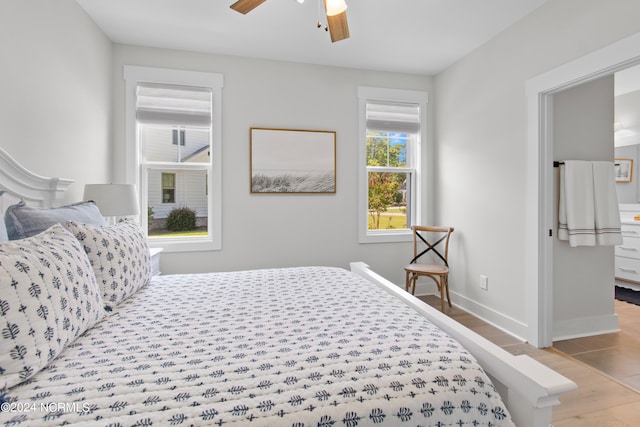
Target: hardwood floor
x: 601, y: 399
x: 618, y: 354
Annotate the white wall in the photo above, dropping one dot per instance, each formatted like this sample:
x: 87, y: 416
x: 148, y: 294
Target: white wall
x: 267, y: 230
x: 628, y: 191
x: 627, y: 111
x: 55, y: 109
x: 481, y: 140
x: 628, y: 115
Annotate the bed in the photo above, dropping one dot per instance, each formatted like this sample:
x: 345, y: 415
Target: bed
x: 300, y: 346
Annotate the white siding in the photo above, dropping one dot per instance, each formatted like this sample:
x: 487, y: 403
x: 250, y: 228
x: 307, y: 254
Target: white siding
x: 193, y: 194
x: 190, y: 192
x: 158, y: 145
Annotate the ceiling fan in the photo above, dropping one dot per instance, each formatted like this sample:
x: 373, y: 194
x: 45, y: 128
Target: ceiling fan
x: 336, y: 15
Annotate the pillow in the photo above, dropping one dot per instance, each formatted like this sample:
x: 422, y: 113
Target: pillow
x: 3, y: 232
x: 23, y: 221
x: 3, y: 228
x: 119, y: 255
x: 48, y: 297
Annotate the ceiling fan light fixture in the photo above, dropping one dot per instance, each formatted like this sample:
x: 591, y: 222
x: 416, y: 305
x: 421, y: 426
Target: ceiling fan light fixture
x: 335, y: 7
x: 246, y: 6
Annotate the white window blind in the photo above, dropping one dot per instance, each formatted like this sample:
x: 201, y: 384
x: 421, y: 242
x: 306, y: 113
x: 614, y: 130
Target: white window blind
x: 159, y: 104
x: 392, y: 117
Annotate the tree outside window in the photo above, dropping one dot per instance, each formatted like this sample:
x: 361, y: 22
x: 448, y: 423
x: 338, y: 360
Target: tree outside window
x: 387, y: 204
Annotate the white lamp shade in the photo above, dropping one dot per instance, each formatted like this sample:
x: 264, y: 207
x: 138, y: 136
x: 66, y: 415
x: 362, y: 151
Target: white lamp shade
x: 113, y: 199
x: 335, y: 7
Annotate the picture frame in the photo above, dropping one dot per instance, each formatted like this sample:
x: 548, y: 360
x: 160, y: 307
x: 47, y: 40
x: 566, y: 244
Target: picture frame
x: 292, y: 161
x: 623, y: 170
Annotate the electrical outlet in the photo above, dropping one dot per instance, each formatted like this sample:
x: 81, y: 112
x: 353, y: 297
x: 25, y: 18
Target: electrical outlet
x: 484, y: 282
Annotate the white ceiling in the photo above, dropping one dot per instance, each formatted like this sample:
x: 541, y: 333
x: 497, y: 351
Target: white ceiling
x: 412, y: 36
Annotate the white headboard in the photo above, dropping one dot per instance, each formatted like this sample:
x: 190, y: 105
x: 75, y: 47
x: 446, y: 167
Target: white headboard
x: 17, y: 183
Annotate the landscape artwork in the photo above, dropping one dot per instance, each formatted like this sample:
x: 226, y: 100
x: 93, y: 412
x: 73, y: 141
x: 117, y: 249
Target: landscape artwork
x: 293, y: 161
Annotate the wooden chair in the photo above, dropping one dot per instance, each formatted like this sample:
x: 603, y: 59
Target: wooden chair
x: 428, y: 239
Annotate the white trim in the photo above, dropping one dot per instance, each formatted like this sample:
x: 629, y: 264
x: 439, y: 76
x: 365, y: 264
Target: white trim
x: 134, y: 74
x: 528, y: 388
x: 539, y: 193
x: 495, y: 318
x: 419, y: 197
x: 585, y: 326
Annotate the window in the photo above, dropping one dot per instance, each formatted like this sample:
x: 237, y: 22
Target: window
x: 173, y: 152
x: 392, y: 134
x: 178, y: 137
x: 168, y: 188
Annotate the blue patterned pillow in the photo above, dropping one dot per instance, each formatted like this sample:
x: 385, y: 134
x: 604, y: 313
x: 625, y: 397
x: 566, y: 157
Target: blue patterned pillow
x: 23, y: 221
x: 3, y: 232
x: 119, y: 255
x: 48, y: 297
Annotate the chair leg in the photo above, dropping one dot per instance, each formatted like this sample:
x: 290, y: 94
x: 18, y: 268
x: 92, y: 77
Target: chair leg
x: 441, y: 289
x: 406, y: 282
x: 445, y: 284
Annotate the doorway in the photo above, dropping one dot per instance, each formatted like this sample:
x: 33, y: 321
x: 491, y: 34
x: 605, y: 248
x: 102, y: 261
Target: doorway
x: 583, y: 117
x: 540, y: 91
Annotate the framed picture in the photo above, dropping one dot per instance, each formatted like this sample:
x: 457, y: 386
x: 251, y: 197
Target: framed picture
x: 292, y: 161
x: 624, y: 170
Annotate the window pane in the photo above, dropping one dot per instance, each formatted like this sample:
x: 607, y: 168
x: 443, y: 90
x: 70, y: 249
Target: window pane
x: 386, y: 149
x: 168, y: 180
x: 388, y: 201
x: 168, y: 195
x: 178, y: 137
x: 186, y: 191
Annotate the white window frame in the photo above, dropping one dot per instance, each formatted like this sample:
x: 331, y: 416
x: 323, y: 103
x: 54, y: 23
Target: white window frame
x: 416, y: 164
x: 136, y: 74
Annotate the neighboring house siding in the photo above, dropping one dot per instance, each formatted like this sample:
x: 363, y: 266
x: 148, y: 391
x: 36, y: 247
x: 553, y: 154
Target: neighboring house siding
x: 190, y: 186
x: 159, y: 147
x: 195, y: 196
x: 190, y: 192
x: 160, y: 210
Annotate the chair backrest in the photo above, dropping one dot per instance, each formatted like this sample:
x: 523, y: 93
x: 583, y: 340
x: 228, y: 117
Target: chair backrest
x: 431, y: 239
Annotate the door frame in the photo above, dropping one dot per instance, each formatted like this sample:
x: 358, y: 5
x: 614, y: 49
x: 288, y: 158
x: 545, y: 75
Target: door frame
x: 539, y: 191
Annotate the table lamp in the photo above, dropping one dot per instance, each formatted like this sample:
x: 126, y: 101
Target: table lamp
x: 113, y: 200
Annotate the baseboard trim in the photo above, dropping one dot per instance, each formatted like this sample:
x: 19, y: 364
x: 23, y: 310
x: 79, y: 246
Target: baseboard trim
x: 585, y: 327
x: 575, y: 328
x: 505, y: 323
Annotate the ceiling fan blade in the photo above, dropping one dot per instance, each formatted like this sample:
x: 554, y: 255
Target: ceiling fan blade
x: 338, y: 26
x: 246, y: 6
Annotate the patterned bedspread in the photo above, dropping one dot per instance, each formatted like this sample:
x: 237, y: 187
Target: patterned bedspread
x: 309, y: 346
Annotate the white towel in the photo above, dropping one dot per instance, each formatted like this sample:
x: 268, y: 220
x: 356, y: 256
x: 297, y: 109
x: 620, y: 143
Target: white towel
x: 576, y: 213
x: 607, y: 213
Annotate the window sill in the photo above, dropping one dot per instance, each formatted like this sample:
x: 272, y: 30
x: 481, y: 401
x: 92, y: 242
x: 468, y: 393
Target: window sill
x: 183, y: 245
x: 386, y: 236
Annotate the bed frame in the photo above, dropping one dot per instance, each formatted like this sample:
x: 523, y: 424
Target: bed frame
x: 17, y: 183
x: 528, y: 388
